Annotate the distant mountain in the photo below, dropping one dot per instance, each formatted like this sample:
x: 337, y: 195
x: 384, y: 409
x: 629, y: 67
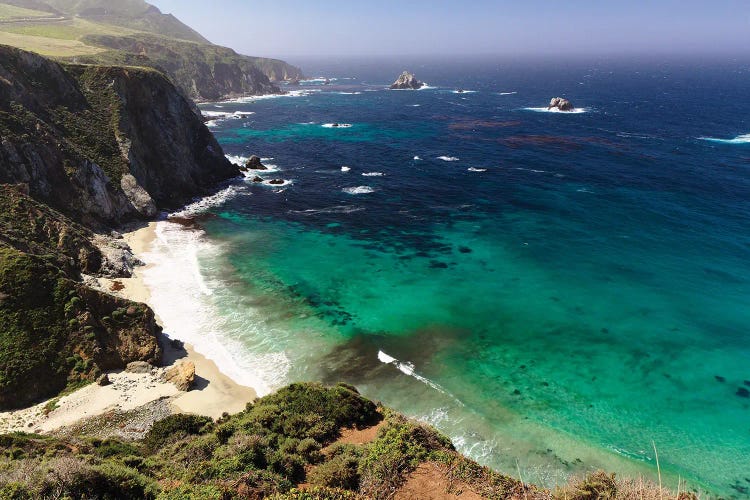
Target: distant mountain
x: 133, y: 32
x: 132, y: 14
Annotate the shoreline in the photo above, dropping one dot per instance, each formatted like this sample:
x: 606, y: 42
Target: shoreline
x: 212, y: 394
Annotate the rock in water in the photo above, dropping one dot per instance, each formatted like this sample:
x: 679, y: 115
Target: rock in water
x: 254, y: 163
x: 407, y: 81
x: 182, y: 375
x: 561, y: 104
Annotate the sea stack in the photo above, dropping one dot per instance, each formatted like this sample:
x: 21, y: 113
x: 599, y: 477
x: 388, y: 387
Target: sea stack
x: 254, y: 163
x: 407, y: 81
x: 561, y: 104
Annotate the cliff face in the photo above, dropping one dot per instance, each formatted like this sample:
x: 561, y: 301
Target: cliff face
x: 203, y: 71
x: 55, y: 332
x: 102, y: 144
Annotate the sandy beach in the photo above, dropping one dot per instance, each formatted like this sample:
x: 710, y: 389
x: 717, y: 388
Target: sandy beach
x: 212, y: 394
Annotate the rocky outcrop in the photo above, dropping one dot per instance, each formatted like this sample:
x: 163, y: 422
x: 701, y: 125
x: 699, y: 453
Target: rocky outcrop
x: 407, y: 81
x: 57, y: 332
x: 254, y: 163
x: 560, y: 104
x: 182, y: 375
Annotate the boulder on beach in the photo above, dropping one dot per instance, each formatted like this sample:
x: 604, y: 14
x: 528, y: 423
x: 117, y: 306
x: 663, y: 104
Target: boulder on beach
x: 103, y: 380
x: 561, y: 104
x: 407, y: 81
x: 139, y: 367
x: 254, y: 163
x: 182, y: 375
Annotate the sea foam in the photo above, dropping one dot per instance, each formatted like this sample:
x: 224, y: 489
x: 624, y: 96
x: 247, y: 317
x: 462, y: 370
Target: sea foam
x: 740, y: 139
x: 184, y: 299
x: 358, y: 190
x: 448, y: 158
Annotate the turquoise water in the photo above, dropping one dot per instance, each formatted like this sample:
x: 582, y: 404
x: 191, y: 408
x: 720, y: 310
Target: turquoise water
x: 578, y: 296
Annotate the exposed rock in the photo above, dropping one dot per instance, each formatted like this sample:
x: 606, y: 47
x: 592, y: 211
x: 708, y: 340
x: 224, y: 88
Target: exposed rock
x: 561, y: 104
x: 182, y: 375
x: 276, y: 182
x: 407, y: 81
x: 254, y: 163
x: 139, y: 367
x: 257, y: 179
x: 102, y: 144
x: 103, y: 380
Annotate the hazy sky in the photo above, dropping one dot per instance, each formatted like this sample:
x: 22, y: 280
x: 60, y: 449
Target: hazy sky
x: 405, y: 27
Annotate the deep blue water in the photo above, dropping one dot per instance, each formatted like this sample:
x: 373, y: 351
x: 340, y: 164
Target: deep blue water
x: 581, y: 292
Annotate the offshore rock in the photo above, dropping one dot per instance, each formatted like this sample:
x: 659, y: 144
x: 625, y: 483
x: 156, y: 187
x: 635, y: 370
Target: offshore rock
x: 254, y: 163
x: 407, y: 81
x: 561, y: 104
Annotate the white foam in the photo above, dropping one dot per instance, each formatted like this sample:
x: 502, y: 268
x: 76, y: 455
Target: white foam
x: 183, y: 298
x: 531, y: 170
x: 268, y: 183
x: 338, y: 209
x: 203, y: 204
x: 408, y: 368
x: 337, y: 125
x: 740, y: 139
x: 373, y: 174
x: 415, y: 105
x: 473, y: 169
x: 350, y: 93
x: 507, y: 93
x: 448, y: 158
x: 359, y: 190
x: 212, y: 123
x: 227, y: 114
x: 464, y: 91
x: 575, y: 111
x: 291, y: 93
x: 417, y: 158
x: 346, y: 169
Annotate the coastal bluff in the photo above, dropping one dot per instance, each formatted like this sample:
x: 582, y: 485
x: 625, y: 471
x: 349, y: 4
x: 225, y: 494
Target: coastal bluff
x: 102, y: 144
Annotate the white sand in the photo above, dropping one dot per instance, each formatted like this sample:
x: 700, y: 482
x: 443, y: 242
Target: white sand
x: 213, y: 393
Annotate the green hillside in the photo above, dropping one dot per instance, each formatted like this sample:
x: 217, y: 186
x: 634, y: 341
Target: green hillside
x: 134, y: 32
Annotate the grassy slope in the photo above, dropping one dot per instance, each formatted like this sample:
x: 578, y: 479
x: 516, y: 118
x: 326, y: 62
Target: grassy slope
x: 281, y: 447
x: 12, y: 12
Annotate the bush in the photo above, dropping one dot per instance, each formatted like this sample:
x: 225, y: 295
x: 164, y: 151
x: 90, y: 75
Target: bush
x: 596, y: 486
x: 341, y: 471
x: 175, y: 427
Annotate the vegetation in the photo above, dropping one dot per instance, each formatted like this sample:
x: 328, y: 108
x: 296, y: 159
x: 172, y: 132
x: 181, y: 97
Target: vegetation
x: 281, y: 447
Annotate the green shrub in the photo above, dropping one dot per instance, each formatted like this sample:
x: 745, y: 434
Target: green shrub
x: 175, y: 427
x: 340, y: 471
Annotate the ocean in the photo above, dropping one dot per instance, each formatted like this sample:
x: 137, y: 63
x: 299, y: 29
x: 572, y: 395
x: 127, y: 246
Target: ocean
x: 557, y: 292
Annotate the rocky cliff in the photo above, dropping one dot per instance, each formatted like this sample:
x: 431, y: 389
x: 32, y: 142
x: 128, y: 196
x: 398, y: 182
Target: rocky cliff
x: 56, y: 332
x: 103, y: 145
x: 203, y: 71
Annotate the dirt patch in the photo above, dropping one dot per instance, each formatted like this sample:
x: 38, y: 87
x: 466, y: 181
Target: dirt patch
x: 430, y: 482
x: 359, y: 436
